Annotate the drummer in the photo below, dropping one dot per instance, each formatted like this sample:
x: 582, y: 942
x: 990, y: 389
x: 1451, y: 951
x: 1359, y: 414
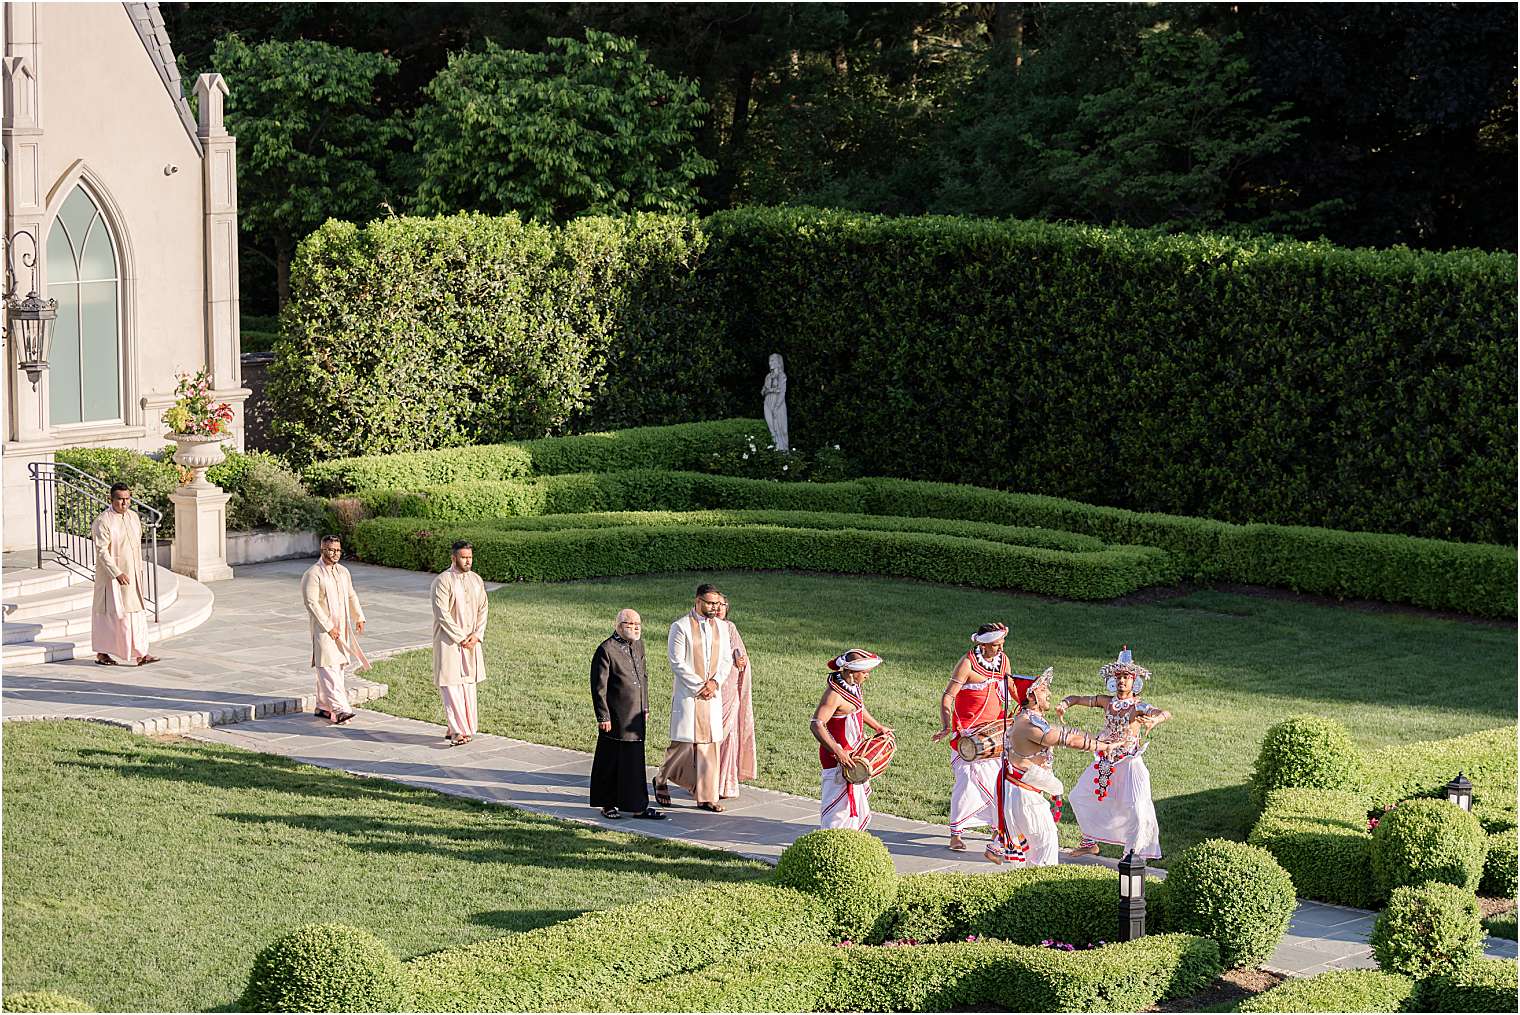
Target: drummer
x: 975, y: 697
x: 838, y: 725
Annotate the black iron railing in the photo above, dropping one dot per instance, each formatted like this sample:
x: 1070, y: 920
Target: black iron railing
x: 68, y: 502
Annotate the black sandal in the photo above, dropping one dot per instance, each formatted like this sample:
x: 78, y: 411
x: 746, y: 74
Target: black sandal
x: 661, y: 796
x: 105, y: 660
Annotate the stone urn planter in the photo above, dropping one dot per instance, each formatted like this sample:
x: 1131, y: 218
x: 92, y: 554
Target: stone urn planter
x: 198, y: 453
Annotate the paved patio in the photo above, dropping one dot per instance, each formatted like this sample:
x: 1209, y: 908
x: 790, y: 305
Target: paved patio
x: 250, y: 662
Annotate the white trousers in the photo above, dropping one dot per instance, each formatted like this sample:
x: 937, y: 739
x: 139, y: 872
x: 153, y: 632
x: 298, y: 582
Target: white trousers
x: 125, y: 635
x: 332, y: 690
x: 459, y: 709
x: 843, y: 804
x: 973, y: 798
x: 1033, y: 830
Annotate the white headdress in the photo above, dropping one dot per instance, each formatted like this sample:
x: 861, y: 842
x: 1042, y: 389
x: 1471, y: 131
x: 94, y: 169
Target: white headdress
x: 998, y: 633
x: 867, y: 661
x: 1124, y: 664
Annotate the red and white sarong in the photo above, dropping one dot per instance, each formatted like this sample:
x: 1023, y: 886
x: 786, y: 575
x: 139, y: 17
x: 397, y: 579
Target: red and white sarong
x: 973, y: 798
x: 844, y: 804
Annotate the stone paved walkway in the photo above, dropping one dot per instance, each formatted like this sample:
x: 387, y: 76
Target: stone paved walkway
x: 250, y: 661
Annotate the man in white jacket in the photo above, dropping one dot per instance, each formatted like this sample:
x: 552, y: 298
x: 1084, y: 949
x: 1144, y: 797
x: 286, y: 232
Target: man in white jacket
x: 337, y: 620
x: 700, y: 657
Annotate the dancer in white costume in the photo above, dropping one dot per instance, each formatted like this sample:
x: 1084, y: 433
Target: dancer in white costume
x: 1026, y: 830
x: 1112, y: 799
x: 976, y: 695
x: 838, y: 726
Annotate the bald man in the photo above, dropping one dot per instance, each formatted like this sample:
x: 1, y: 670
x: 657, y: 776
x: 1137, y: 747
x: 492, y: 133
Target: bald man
x: 620, y: 695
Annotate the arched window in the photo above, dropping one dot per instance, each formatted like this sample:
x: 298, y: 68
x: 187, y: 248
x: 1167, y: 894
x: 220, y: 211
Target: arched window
x: 84, y: 276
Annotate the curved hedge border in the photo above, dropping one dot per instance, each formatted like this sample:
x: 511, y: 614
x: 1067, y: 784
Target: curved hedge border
x: 1482, y: 985
x: 948, y: 977
x: 506, y: 554
x: 679, y: 446
x: 1367, y: 990
x: 1470, y: 578
x: 1320, y: 838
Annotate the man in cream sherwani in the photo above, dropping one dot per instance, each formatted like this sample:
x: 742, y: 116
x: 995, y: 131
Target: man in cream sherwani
x: 337, y: 620
x: 118, y: 618
x: 700, y: 657
x: 459, y: 628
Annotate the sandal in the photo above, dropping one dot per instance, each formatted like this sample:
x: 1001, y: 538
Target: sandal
x: 715, y: 808
x: 145, y: 660
x: 957, y: 843
x: 105, y: 660
x: 662, y: 793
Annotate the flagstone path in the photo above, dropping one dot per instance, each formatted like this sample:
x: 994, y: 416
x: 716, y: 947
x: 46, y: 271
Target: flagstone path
x: 250, y: 662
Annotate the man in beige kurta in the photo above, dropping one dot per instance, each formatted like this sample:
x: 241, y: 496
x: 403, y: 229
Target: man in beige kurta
x: 459, y: 629
x: 701, y: 658
x: 337, y: 620
x: 118, y: 618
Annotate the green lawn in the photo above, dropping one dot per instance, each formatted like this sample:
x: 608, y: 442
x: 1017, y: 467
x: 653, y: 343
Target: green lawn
x: 1228, y: 666
x: 144, y: 874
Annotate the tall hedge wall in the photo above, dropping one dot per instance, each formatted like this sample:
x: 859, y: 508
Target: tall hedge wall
x: 1251, y: 381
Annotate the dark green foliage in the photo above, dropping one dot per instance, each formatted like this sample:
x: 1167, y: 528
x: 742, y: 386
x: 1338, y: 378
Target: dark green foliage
x: 1422, y: 841
x: 1234, y: 893
x: 151, y: 480
x: 42, y: 1000
x: 584, y: 128
x: 1306, y: 752
x: 1250, y: 381
x: 1342, y: 990
x: 1075, y: 904
x: 1320, y: 838
x: 1427, y: 929
x: 946, y: 977
x: 1499, y: 865
x: 327, y: 967
x: 851, y: 871
x: 505, y: 554
x: 593, y: 958
x: 1481, y: 985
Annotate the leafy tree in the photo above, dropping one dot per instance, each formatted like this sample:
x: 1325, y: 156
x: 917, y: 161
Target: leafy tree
x: 586, y: 128
x: 311, y: 144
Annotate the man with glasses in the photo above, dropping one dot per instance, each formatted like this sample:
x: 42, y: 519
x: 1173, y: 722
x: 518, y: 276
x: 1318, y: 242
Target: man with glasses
x: 700, y: 657
x: 118, y: 618
x: 337, y: 620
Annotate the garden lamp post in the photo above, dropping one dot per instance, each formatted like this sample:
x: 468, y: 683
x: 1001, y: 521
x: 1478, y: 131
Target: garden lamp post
x: 32, y: 318
x: 1131, y: 897
x: 1459, y: 792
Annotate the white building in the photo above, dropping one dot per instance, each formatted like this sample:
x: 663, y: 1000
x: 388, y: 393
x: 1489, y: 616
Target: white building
x: 131, y: 203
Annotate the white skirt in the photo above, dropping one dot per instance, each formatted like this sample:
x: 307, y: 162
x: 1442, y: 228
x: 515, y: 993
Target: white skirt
x: 843, y: 804
x: 973, y: 798
x: 1032, y: 830
x: 1125, y: 815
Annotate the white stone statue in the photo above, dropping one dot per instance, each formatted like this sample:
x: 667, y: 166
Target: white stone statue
x: 774, y: 393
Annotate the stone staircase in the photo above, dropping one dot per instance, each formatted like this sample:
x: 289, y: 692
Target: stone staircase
x: 47, y: 612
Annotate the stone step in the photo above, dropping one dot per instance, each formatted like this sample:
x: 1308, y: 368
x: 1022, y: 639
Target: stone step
x: 50, y: 615
x: 191, y: 607
x: 24, y: 582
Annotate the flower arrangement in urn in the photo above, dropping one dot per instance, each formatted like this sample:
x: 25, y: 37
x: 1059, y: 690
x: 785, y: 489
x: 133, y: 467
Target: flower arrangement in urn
x: 197, y: 428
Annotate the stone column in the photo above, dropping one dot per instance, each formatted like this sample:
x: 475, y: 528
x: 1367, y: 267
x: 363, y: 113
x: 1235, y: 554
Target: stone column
x: 219, y: 199
x: 27, y: 204
x: 200, y: 530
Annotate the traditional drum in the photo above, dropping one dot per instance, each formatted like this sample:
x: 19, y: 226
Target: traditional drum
x: 871, y: 758
x: 984, y: 741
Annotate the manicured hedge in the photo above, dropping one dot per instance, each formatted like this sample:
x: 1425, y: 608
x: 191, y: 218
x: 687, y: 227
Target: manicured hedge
x: 1427, y: 930
x: 1309, y: 752
x: 946, y: 977
x: 1423, y: 841
x: 1487, y: 757
x: 598, y: 956
x: 848, y: 869
x: 42, y: 1000
x: 1501, y: 865
x: 329, y: 967
x: 505, y: 554
x: 1320, y: 838
x: 1481, y: 985
x: 1251, y: 380
x: 1234, y: 893
x: 680, y: 446
x: 1342, y: 990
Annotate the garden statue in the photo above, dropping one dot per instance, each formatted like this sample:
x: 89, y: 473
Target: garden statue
x: 774, y: 393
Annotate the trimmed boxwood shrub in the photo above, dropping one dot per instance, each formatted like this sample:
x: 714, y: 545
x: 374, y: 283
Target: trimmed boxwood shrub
x: 43, y: 1000
x: 327, y: 967
x: 1481, y: 985
x: 503, y: 554
x: 945, y: 977
x: 1075, y: 904
x: 594, y: 957
x: 851, y: 871
x: 1340, y: 990
x: 1320, y: 838
x: 1427, y: 929
x: 1500, y: 865
x: 1424, y: 768
x: 1428, y: 840
x: 1232, y: 892
x: 1308, y: 752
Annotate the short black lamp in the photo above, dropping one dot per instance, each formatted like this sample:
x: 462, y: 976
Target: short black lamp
x: 1459, y: 792
x: 1131, y: 897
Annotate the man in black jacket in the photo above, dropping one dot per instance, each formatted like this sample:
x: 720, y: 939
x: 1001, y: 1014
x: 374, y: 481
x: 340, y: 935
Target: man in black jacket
x: 620, y: 694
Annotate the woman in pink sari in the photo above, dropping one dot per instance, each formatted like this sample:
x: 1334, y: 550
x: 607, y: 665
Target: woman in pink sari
x: 736, y: 752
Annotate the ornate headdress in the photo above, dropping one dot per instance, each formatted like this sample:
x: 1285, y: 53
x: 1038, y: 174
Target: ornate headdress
x: 1043, y: 680
x: 867, y: 661
x: 1124, y: 664
x: 999, y: 632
